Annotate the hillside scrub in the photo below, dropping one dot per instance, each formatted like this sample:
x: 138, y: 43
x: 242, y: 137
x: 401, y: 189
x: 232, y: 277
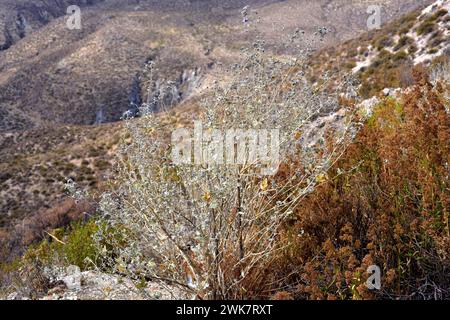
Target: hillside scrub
x: 365, y: 189
x: 15, y: 240
x: 212, y: 229
x: 34, y: 273
x: 385, y: 202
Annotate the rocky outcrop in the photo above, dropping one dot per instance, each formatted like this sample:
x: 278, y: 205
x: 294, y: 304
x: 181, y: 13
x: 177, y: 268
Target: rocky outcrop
x: 22, y: 25
x: 134, y: 98
x: 315, y: 132
x: 163, y: 95
x: 73, y: 284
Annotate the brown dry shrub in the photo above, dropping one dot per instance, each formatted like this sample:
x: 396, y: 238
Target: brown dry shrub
x: 386, y: 203
x: 282, y: 295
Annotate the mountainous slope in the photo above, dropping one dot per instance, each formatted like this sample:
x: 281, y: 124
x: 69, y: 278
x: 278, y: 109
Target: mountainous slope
x: 89, y: 76
x: 384, y: 58
x: 20, y: 18
x: 58, y: 87
x: 36, y: 164
x: 63, y: 92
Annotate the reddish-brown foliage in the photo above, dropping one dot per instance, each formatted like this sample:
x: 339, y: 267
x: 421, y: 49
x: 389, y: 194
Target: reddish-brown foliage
x: 386, y: 203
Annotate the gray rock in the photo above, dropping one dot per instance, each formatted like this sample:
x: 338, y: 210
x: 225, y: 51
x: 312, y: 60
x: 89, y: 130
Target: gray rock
x: 95, y: 285
x: 13, y: 296
x: 73, y: 278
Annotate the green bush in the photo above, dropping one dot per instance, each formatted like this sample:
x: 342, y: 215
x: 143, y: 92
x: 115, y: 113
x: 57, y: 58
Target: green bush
x: 440, y: 13
x: 412, y: 48
x: 433, y: 51
x: 401, y: 55
x: 75, y: 245
x: 80, y: 246
x: 403, y: 41
x: 425, y: 28
x: 383, y: 42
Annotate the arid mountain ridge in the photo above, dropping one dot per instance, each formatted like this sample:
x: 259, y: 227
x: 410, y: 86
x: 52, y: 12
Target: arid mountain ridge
x: 62, y: 91
x: 52, y: 74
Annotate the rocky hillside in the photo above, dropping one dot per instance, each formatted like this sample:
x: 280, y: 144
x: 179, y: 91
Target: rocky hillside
x: 20, y: 18
x: 91, y: 75
x: 35, y: 165
x: 384, y: 58
x: 423, y: 38
x: 54, y: 81
x: 58, y: 87
x: 63, y: 94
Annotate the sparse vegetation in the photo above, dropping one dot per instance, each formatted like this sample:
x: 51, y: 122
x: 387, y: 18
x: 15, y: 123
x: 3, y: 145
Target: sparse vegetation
x: 425, y: 28
x: 402, y: 42
x: 362, y: 178
x: 383, y: 42
x: 386, y: 203
x: 212, y: 229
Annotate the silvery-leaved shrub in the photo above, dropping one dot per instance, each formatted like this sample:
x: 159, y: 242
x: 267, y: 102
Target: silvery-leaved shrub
x: 208, y: 227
